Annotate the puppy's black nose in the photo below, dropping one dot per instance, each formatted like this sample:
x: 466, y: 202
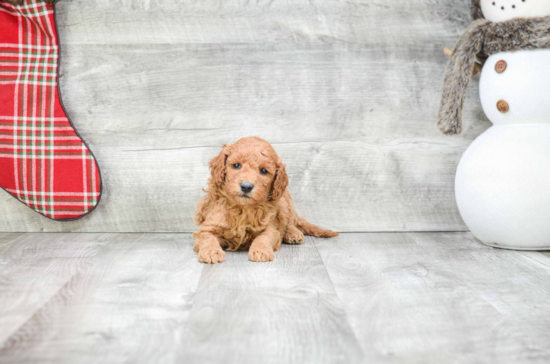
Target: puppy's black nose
x: 246, y: 187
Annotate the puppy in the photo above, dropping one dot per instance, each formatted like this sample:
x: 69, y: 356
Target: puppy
x: 248, y: 206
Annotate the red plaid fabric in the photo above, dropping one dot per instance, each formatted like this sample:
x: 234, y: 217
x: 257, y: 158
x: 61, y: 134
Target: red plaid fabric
x: 43, y: 161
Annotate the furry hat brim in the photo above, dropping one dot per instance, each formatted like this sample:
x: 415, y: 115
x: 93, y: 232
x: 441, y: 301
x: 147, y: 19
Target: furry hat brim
x: 476, y: 10
x: 481, y: 40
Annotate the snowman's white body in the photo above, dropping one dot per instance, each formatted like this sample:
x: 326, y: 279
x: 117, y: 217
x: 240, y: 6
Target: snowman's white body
x: 503, y: 180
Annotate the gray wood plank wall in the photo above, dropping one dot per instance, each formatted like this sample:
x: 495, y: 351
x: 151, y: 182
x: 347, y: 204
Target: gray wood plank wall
x: 346, y: 91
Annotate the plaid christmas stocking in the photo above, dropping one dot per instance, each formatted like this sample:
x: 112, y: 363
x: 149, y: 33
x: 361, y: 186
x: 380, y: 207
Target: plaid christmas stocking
x: 43, y: 161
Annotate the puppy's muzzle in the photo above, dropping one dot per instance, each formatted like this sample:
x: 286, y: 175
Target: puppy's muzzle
x: 246, y: 187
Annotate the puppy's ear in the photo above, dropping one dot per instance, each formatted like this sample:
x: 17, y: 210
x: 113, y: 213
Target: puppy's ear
x: 217, y: 166
x: 280, y: 183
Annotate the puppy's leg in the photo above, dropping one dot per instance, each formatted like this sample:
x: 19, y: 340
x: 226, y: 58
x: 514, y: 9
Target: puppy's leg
x: 262, y: 248
x: 293, y: 235
x: 208, y: 247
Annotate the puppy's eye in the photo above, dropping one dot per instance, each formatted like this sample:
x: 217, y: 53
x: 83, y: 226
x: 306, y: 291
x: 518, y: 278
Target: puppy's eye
x: 263, y: 171
x: 237, y: 166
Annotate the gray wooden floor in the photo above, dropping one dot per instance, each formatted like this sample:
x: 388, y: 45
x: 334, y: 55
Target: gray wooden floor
x: 370, y: 297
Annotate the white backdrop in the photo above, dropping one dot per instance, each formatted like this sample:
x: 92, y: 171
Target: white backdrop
x: 346, y: 91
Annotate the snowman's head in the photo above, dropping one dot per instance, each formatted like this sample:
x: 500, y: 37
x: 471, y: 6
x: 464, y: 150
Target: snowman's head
x: 502, y: 10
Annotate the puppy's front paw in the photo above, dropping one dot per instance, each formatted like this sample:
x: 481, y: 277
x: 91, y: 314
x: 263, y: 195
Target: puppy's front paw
x: 261, y: 254
x: 211, y: 255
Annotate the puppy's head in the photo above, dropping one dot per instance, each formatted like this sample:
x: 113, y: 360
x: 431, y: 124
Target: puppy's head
x: 249, y: 171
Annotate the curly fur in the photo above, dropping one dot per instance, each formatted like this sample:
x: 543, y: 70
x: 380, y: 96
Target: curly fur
x: 482, y: 39
x: 258, y: 221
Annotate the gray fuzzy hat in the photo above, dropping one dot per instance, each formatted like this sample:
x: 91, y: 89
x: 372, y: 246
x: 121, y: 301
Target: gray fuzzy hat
x: 482, y: 39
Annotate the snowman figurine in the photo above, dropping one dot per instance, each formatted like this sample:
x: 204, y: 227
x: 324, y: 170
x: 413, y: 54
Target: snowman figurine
x: 503, y: 179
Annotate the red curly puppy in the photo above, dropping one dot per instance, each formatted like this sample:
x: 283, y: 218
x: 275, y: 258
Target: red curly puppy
x: 248, y: 206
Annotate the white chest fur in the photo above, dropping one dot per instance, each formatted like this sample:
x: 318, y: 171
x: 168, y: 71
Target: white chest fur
x: 503, y: 180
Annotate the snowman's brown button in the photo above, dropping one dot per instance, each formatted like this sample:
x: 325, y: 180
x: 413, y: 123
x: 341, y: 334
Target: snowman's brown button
x: 501, y: 66
x: 503, y: 106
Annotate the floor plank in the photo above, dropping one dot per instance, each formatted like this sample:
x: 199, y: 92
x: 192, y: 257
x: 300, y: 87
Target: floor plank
x: 441, y: 298
x: 6, y: 240
x: 285, y: 311
x: 126, y: 302
x: 35, y: 267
